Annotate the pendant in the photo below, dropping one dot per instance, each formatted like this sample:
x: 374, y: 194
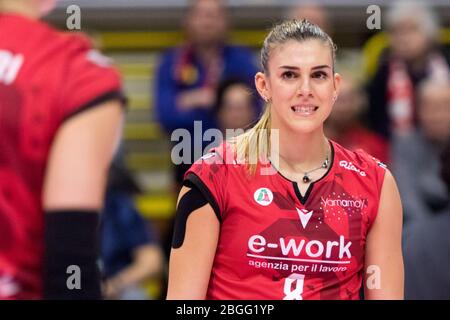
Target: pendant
x: 306, y: 179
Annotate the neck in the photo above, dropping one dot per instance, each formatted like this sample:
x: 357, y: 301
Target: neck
x: 23, y: 8
x: 332, y: 131
x: 303, y: 152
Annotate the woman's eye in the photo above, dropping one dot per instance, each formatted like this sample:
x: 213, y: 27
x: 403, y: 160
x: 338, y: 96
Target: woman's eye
x: 320, y: 75
x: 288, y: 75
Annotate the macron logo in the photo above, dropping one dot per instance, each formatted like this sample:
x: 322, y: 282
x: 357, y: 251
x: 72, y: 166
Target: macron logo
x: 304, y: 216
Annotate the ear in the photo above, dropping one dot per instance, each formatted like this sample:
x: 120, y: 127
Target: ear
x: 262, y: 85
x: 337, y: 84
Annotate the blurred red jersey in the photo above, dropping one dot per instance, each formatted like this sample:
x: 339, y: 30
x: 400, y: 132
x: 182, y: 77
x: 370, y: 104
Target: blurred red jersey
x: 45, y: 78
x: 358, y: 137
x: 276, y: 243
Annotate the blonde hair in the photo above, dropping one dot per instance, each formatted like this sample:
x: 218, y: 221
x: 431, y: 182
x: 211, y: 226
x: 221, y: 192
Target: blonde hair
x: 254, y: 146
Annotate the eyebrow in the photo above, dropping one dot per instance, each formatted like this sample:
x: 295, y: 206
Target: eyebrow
x: 313, y: 68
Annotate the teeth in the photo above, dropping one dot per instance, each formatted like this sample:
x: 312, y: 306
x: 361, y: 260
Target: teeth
x: 302, y: 109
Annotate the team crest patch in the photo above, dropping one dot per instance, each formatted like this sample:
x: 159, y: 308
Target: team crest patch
x: 263, y: 196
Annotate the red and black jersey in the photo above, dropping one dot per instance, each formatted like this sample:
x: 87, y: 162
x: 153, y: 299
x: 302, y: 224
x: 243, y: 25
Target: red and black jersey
x: 45, y: 78
x: 276, y: 243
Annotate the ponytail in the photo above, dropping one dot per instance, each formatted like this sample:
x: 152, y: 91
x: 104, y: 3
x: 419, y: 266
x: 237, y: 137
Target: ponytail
x: 253, y: 146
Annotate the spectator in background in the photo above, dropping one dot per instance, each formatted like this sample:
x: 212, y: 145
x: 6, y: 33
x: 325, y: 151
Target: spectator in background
x: 345, y: 125
x: 426, y: 248
x: 236, y: 106
x: 188, y: 76
x: 412, y: 56
x: 416, y: 155
x: 130, y: 252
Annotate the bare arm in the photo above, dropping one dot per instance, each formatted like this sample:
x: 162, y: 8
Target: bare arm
x: 80, y: 157
x: 73, y: 194
x: 196, y: 98
x: 384, y: 261
x: 190, y: 265
x: 147, y: 263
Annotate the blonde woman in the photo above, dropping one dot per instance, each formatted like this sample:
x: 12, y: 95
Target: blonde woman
x: 318, y: 225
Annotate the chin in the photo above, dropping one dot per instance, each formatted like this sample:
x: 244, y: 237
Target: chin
x: 305, y: 127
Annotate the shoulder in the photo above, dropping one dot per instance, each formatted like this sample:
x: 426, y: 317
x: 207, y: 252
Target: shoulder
x: 210, y: 174
x: 238, y: 52
x: 169, y: 55
x: 52, y: 44
x: 76, y: 39
x: 360, y: 165
x: 217, y: 162
x: 169, y: 62
x: 33, y: 29
x: 68, y: 42
x: 80, y: 45
x: 78, y: 51
x: 358, y: 157
x: 222, y: 155
x: 90, y: 78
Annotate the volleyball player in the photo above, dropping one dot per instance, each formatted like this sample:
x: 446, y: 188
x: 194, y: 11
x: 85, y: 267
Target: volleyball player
x: 60, y: 118
x: 313, y: 221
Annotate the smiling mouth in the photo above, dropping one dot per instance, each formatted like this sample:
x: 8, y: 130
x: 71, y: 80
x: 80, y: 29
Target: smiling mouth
x: 304, y: 110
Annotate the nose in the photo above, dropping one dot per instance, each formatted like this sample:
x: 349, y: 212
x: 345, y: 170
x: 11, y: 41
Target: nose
x: 304, y: 89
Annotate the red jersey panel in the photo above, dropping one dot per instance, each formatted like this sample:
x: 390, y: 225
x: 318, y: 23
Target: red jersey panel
x: 45, y: 77
x: 276, y: 243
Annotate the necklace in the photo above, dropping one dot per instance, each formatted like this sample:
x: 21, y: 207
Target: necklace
x: 325, y: 164
x: 306, y: 178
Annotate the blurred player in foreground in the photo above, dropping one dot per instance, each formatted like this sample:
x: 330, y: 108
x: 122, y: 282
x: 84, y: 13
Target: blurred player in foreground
x: 61, y: 111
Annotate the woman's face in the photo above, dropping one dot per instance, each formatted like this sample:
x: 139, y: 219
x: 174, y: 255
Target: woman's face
x: 408, y: 40
x: 301, y: 85
x: 237, y: 110
x: 206, y: 23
